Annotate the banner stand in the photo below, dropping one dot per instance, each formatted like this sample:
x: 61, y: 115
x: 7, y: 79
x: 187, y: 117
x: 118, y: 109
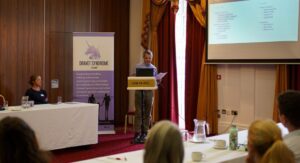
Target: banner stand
x: 93, y: 74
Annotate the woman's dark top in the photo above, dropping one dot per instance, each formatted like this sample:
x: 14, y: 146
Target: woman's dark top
x: 39, y: 97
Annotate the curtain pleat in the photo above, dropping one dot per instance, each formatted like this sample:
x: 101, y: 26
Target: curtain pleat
x: 168, y: 105
x: 145, y: 24
x: 151, y: 16
x: 206, y: 91
x: 157, y: 12
x: 195, y: 39
x: 153, y: 11
x: 294, y: 77
x: 199, y: 11
x: 207, y: 96
x: 280, y: 86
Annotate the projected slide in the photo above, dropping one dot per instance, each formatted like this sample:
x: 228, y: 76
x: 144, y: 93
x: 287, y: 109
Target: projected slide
x: 253, y: 21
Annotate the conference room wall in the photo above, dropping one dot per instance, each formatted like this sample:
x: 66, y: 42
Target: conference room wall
x: 135, y: 48
x: 36, y: 38
x: 248, y: 89
x: 21, y: 46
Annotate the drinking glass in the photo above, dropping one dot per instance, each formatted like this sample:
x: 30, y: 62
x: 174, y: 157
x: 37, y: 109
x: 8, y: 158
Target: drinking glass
x: 185, y: 135
x: 24, y: 102
x: 5, y: 105
x: 59, y: 99
x: 31, y: 103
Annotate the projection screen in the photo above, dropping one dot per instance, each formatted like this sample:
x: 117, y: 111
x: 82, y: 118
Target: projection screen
x: 253, y: 31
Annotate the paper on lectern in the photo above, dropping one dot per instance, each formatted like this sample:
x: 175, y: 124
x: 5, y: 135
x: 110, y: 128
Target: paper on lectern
x: 160, y: 76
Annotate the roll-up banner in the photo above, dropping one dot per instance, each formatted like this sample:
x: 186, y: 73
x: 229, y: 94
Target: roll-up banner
x: 93, y: 74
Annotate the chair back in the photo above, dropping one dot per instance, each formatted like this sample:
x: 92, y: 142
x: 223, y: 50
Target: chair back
x: 2, y: 100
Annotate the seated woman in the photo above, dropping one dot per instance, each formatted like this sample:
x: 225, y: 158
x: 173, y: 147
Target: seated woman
x: 18, y: 143
x: 164, y: 144
x: 36, y: 93
x: 265, y: 144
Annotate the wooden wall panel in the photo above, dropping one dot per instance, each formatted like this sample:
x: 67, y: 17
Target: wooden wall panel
x: 36, y: 38
x: 21, y: 46
x: 113, y: 16
x: 63, y: 18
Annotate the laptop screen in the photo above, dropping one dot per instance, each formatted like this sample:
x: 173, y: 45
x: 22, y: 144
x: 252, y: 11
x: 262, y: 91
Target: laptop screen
x: 144, y: 72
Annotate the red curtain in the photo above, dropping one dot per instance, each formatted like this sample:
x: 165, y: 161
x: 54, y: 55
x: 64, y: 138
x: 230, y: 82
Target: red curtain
x: 168, y: 99
x: 195, y: 39
x: 294, y: 77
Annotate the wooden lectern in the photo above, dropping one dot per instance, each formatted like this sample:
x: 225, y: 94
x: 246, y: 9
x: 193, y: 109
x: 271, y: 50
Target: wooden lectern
x: 142, y: 84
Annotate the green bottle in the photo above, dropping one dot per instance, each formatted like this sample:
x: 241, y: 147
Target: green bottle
x: 233, y: 138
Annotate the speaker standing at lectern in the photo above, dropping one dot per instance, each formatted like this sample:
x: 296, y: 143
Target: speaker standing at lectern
x: 143, y: 70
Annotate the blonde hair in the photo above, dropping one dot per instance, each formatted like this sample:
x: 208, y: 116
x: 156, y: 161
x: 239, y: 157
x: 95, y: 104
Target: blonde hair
x: 266, y: 140
x: 147, y: 52
x: 164, y: 144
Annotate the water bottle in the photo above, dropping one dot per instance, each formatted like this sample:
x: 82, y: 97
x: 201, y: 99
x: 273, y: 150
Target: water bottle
x: 233, y: 138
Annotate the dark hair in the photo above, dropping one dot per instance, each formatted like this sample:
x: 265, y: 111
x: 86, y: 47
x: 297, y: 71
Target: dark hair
x: 289, y: 105
x: 32, y: 79
x: 18, y: 143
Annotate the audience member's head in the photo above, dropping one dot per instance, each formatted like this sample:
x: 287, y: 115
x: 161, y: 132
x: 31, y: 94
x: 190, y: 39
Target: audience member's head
x: 289, y: 109
x: 164, y: 144
x: 265, y: 144
x: 18, y: 143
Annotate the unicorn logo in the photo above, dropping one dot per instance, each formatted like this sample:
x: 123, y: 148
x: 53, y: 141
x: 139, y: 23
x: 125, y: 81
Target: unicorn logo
x: 92, y: 52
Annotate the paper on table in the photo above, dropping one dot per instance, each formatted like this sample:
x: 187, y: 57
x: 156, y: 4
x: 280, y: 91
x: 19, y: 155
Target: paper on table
x: 117, y: 158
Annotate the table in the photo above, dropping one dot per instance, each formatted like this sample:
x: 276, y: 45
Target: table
x: 60, y: 125
x: 211, y: 155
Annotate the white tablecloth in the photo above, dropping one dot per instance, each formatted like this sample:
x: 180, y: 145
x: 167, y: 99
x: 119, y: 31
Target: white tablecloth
x: 60, y: 125
x: 211, y: 155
